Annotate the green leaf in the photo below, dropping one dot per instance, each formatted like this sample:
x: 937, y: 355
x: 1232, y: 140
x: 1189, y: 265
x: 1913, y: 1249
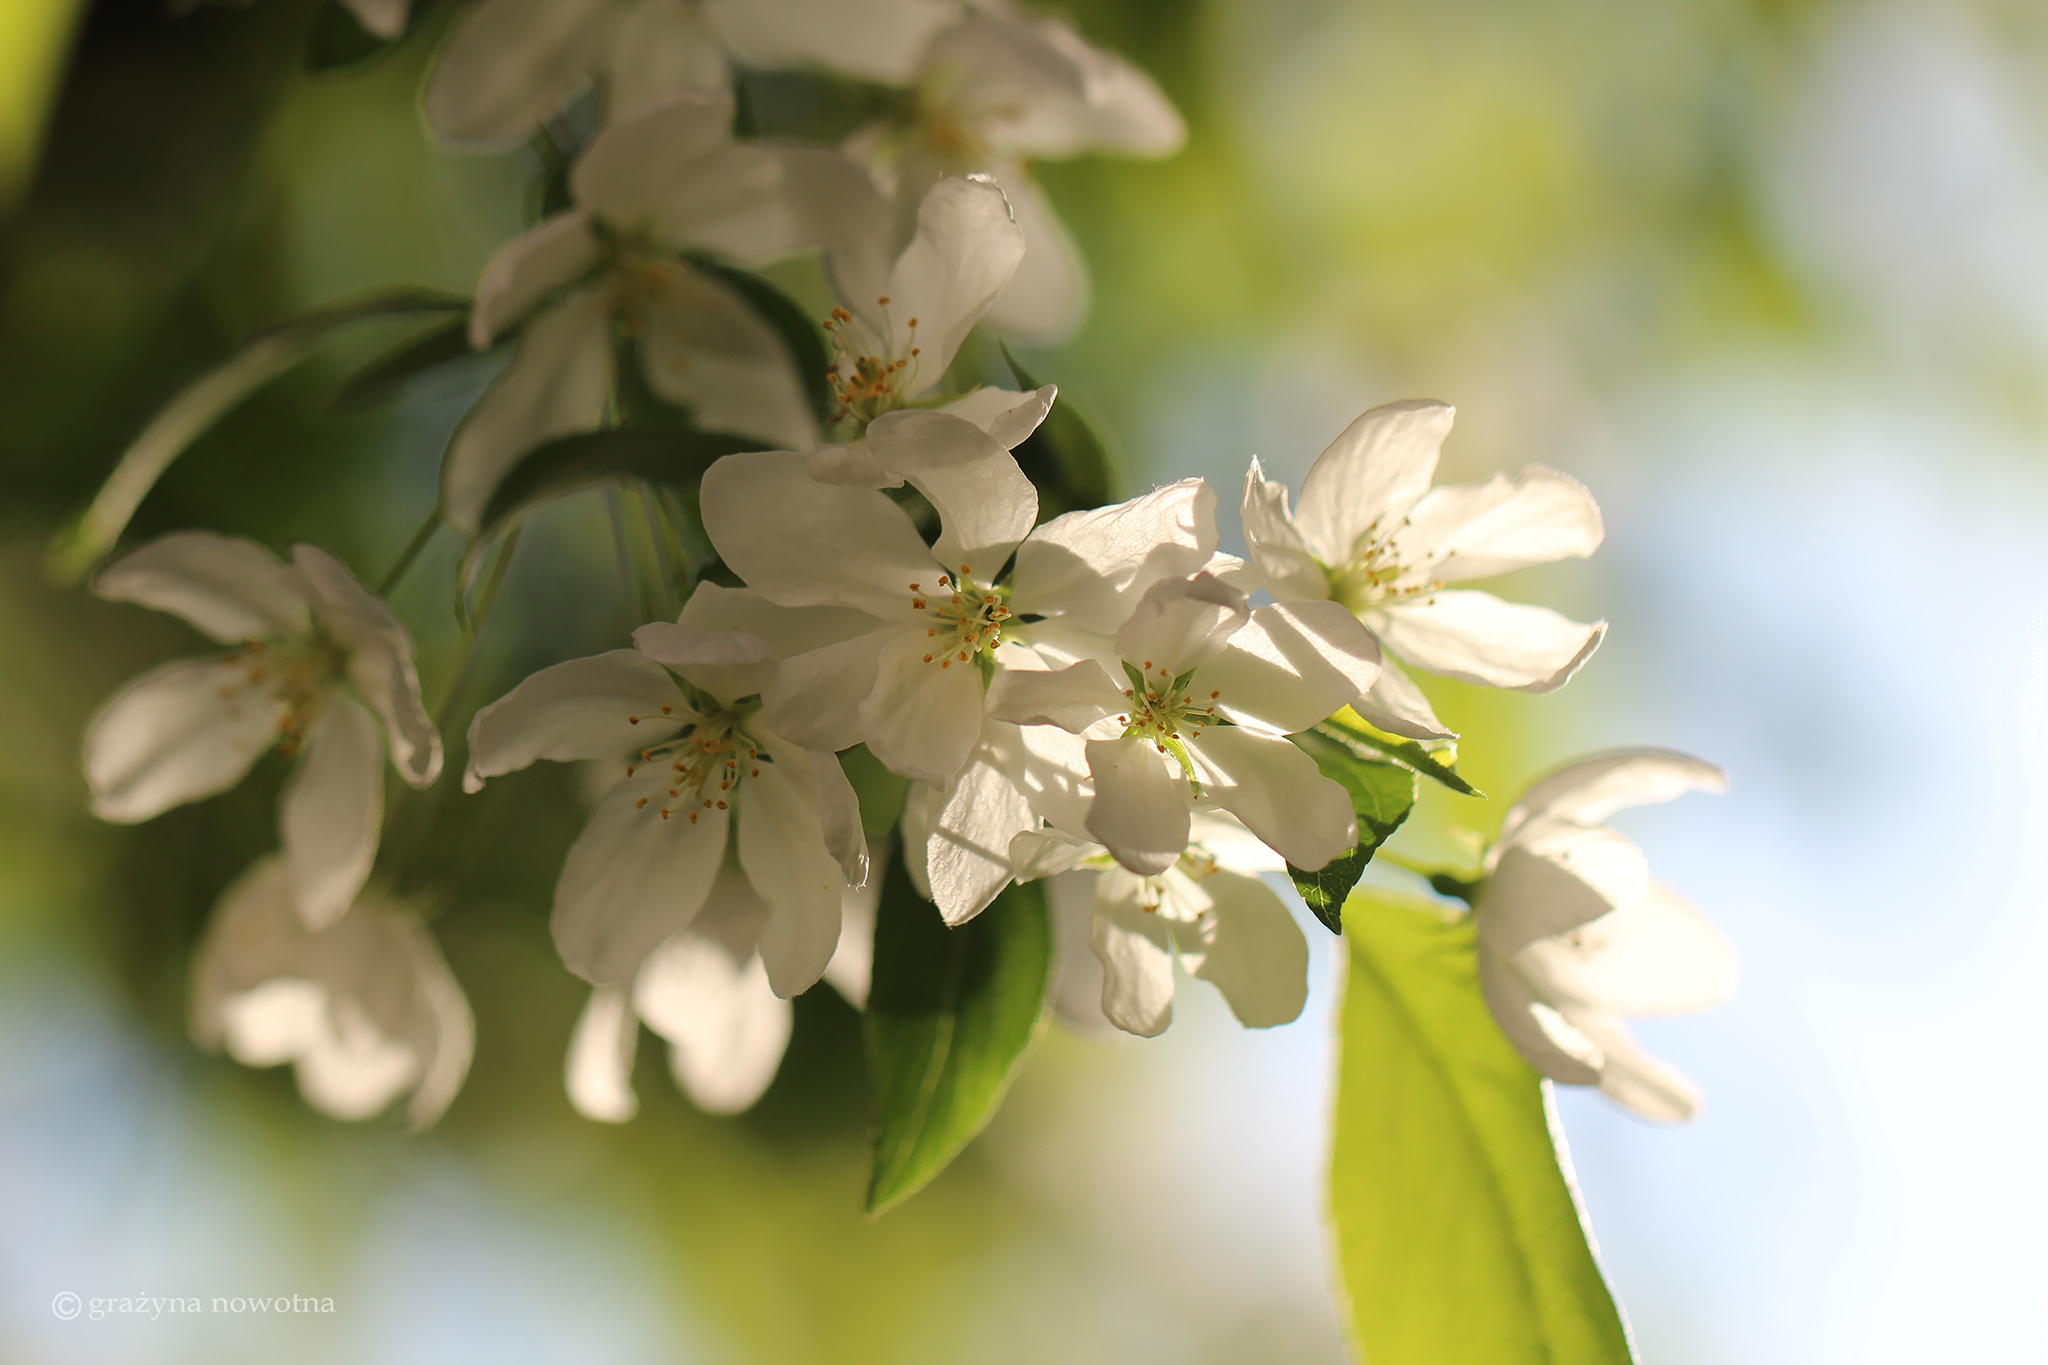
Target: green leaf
x: 204, y: 401
x: 675, y: 457
x: 384, y: 379
x: 948, y: 1018
x: 1356, y: 733
x: 1064, y: 457
x: 1458, y: 1231
x: 1382, y: 794
x: 339, y: 39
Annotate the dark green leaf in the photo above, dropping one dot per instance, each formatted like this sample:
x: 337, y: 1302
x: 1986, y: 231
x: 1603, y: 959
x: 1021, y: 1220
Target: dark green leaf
x: 1064, y: 457
x: 201, y: 403
x: 384, y: 379
x: 338, y: 39
x: 1356, y: 733
x: 674, y: 458
x: 949, y: 1016
x: 1460, y: 1239
x: 799, y: 331
x: 1382, y: 794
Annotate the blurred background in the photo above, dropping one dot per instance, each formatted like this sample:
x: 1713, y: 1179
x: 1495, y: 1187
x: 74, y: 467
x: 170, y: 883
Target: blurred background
x: 1770, y: 276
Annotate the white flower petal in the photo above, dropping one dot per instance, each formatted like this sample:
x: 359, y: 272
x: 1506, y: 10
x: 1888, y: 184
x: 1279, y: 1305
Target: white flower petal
x: 1092, y: 567
x: 1634, y: 1078
x: 1142, y: 806
x: 786, y: 630
x: 1477, y: 638
x: 1006, y: 416
x: 381, y: 18
x: 1395, y: 704
x: 920, y: 812
x: 353, y: 1071
x: 440, y: 1025
x: 509, y: 64
x: 1236, y: 849
x: 1553, y: 877
x: 984, y: 502
x: 1073, y: 698
x: 967, y: 855
x: 1477, y: 530
x: 332, y: 810
x: 852, y: 967
x: 728, y: 664
x: 1592, y: 789
x: 228, y: 588
x: 1543, y: 1037
x: 600, y: 707
x: 781, y: 846
x: 1251, y: 950
x: 1370, y: 476
x: 599, y: 1073
x: 639, y: 160
x: 558, y: 382
x: 877, y: 40
x: 924, y: 715
x: 1047, y: 298
x: 1655, y: 955
x: 802, y: 543
x: 1275, y: 543
x: 814, y: 698
x: 634, y: 876
x: 527, y: 269
x: 1292, y: 666
x: 171, y: 737
x: 1181, y: 623
x: 839, y: 820
x: 1278, y: 792
x: 966, y: 248
x: 657, y: 49
x: 380, y: 663
x: 1137, y: 961
x: 706, y: 350
x: 706, y: 992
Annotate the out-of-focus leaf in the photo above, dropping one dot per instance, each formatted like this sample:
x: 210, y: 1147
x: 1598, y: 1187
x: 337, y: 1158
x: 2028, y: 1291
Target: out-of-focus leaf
x: 203, y: 402
x: 670, y: 457
x: 1382, y: 794
x: 1355, y: 732
x: 338, y: 39
x: 1064, y: 457
x: 949, y: 1016
x: 1458, y: 1226
x: 880, y: 791
x: 385, y: 378
x: 799, y: 331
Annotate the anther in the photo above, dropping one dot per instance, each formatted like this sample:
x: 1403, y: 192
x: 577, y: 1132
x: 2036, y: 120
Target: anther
x: 641, y: 804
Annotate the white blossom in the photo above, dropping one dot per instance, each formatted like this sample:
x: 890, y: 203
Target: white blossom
x: 709, y: 783
x: 321, y: 667
x: 1215, y: 688
x: 1208, y: 909
x: 992, y: 92
x: 1574, y: 933
x: 509, y: 65
x: 1373, y: 535
x: 365, y: 1009
x: 667, y: 182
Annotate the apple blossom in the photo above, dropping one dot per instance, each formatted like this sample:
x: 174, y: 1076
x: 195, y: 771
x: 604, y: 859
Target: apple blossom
x: 1373, y: 535
x: 1574, y: 933
x: 365, y: 1008
x: 322, y: 668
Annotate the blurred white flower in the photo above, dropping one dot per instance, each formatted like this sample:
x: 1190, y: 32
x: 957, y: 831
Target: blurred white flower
x: 706, y: 993
x: 323, y: 668
x: 1215, y: 689
x: 710, y: 783
x: 995, y: 90
x: 509, y: 65
x: 1574, y: 933
x: 1208, y: 908
x: 668, y: 182
x: 365, y: 1009
x: 1373, y: 535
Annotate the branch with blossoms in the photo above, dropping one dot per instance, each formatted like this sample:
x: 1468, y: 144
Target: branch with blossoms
x: 916, y: 706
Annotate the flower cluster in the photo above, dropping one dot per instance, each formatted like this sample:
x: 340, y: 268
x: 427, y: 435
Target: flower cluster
x: 1099, y: 693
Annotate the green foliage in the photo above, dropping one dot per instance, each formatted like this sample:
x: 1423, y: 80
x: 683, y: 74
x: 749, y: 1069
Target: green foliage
x: 1382, y: 794
x: 1354, y: 732
x: 1460, y: 1236
x: 1065, y: 457
x: 949, y: 1016
x: 204, y: 401
x: 338, y: 39
x: 383, y: 380
x: 670, y: 457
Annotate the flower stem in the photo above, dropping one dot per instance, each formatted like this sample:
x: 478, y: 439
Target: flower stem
x: 411, y: 552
